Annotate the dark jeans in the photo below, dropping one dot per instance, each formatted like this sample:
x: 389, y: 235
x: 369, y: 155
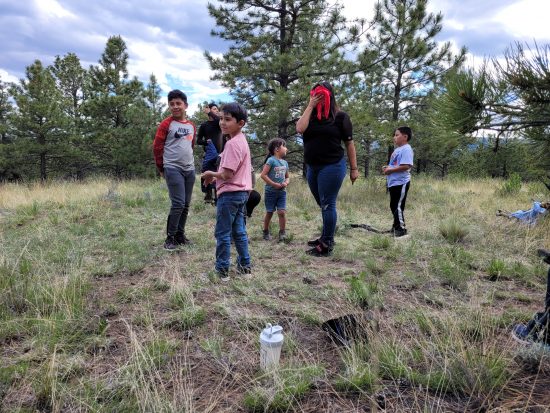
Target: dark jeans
x: 230, y: 223
x: 398, y: 197
x: 180, y: 188
x: 324, y: 183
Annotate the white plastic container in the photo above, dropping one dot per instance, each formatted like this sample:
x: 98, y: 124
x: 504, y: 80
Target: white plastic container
x: 271, y: 342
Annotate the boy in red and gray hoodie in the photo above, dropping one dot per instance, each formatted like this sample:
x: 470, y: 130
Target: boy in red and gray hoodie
x: 173, y: 151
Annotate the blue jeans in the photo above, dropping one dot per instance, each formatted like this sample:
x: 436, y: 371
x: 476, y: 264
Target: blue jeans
x: 180, y: 188
x: 230, y: 223
x: 324, y: 183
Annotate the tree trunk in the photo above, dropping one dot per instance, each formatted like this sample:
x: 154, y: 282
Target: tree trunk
x: 366, y: 162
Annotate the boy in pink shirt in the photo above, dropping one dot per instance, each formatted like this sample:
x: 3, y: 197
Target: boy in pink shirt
x: 233, y: 184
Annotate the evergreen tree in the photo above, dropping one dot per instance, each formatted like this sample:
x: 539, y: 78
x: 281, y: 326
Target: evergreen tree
x: 117, y: 114
x: 8, y: 166
x: 512, y: 100
x: 39, y: 121
x: 70, y: 78
x: 414, y: 63
x: 279, y: 49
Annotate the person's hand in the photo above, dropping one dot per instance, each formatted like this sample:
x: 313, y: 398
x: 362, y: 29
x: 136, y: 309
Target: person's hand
x: 208, y: 177
x: 161, y: 174
x: 353, y: 175
x: 386, y: 169
x: 282, y: 185
x: 314, y: 100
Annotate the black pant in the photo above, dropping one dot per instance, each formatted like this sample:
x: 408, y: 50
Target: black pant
x: 398, y: 197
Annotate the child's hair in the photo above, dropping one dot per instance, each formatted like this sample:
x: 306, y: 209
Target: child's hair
x: 211, y: 105
x: 405, y: 130
x: 274, y: 144
x: 175, y: 94
x: 236, y: 110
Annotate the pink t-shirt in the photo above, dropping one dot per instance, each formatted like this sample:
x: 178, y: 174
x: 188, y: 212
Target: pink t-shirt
x: 236, y: 157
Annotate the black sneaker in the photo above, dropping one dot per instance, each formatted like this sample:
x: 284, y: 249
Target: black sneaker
x: 320, y: 250
x: 314, y: 242
x: 181, y: 239
x: 245, y: 272
x: 266, y: 235
x: 223, y: 275
x: 282, y: 236
x: 544, y: 254
x: 398, y: 233
x: 170, y: 244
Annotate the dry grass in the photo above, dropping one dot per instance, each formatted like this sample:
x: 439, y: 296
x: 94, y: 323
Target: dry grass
x: 91, y: 307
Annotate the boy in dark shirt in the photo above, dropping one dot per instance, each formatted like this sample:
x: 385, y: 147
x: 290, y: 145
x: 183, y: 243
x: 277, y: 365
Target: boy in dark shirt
x: 210, y: 134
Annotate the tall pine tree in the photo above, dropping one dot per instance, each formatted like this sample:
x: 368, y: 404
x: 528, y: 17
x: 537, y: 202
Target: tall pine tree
x: 414, y: 61
x: 39, y: 121
x: 279, y: 48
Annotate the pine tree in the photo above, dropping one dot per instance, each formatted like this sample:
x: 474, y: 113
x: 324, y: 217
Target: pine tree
x: 40, y: 122
x: 118, y: 118
x: 414, y: 63
x: 8, y: 165
x: 279, y: 49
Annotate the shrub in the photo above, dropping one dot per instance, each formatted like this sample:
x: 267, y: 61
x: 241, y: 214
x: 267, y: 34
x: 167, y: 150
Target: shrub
x: 511, y: 186
x: 453, y: 231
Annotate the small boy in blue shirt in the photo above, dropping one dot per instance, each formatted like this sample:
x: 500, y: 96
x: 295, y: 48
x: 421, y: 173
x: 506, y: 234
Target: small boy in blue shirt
x: 275, y: 175
x: 398, y: 174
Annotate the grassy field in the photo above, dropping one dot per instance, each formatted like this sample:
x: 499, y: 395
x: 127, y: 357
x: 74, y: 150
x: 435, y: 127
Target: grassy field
x: 95, y: 316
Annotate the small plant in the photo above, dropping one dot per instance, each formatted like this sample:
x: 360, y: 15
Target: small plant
x: 359, y: 374
x: 187, y: 318
x: 453, y: 231
x: 495, y: 269
x: 364, y: 293
x: 280, y: 391
x: 381, y: 242
x: 512, y: 185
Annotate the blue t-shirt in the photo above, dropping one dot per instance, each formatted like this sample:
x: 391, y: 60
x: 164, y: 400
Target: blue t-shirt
x: 402, y: 155
x: 277, y: 172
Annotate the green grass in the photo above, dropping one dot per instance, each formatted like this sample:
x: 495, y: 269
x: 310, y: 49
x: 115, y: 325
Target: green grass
x: 96, y: 316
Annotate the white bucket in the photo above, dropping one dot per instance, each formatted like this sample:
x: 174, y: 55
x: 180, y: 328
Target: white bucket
x: 271, y: 342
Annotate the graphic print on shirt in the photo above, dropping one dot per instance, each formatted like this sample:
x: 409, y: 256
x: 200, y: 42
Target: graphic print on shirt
x: 183, y: 131
x: 280, y: 172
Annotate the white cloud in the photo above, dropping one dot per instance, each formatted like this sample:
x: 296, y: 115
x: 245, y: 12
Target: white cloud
x: 6, y: 77
x: 527, y: 19
x: 52, y: 9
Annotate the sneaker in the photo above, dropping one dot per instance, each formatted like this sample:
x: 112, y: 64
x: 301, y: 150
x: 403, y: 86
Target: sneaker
x: 520, y: 333
x: 544, y: 254
x: 314, y: 242
x: 399, y: 233
x: 282, y: 236
x: 223, y: 275
x: 170, y: 244
x: 320, y: 250
x: 181, y: 239
x: 267, y: 236
x: 245, y: 272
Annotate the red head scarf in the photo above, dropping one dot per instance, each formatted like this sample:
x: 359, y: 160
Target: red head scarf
x: 323, y: 107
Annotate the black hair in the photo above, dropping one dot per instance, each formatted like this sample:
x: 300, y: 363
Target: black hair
x: 333, y: 106
x: 211, y: 105
x: 274, y: 144
x: 236, y: 110
x: 405, y: 130
x: 175, y: 94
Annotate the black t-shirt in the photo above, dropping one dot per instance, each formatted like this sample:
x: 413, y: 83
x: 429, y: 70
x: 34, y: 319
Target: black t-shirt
x: 323, y: 139
x: 210, y: 130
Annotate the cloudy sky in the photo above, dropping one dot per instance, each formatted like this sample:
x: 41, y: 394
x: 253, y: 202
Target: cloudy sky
x: 168, y: 37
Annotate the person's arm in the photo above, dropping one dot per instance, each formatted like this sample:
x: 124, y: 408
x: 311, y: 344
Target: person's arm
x: 352, y: 158
x: 387, y: 170
x: 201, y: 137
x: 303, y: 122
x: 224, y: 174
x: 158, y: 145
x: 264, y: 175
x: 287, y: 179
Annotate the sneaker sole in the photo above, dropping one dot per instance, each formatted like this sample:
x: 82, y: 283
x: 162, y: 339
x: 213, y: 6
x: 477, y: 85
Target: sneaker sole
x: 520, y: 340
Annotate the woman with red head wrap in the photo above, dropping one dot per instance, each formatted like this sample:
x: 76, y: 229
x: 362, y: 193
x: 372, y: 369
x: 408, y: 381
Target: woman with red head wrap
x: 324, y: 127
